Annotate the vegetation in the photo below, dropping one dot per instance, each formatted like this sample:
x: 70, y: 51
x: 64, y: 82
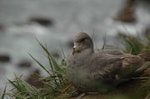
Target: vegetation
x: 55, y: 85
x: 135, y: 44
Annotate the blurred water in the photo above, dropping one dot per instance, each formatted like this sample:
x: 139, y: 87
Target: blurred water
x: 70, y: 16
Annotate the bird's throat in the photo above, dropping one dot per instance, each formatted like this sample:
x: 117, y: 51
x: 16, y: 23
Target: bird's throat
x: 83, y: 52
x: 74, y: 51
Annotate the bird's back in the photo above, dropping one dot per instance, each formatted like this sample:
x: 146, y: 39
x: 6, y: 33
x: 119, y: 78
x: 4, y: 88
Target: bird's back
x: 114, y: 65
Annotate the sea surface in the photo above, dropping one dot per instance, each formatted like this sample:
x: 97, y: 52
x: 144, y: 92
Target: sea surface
x: 18, y: 34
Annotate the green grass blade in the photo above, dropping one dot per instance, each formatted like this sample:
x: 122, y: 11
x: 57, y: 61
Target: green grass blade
x: 53, y: 63
x: 40, y: 64
x: 104, y: 40
x: 47, y: 52
x: 4, y: 93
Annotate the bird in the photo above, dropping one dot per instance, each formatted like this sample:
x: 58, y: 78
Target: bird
x: 102, y: 71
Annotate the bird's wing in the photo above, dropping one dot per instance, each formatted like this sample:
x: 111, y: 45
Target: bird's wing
x: 111, y: 52
x: 105, y: 67
x: 114, y: 67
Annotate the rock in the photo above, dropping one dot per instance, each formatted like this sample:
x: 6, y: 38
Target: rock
x: 147, y: 32
x: 42, y: 21
x: 143, y: 1
x: 24, y: 64
x: 4, y: 58
x: 70, y: 44
x: 2, y: 27
x: 127, y: 14
x: 33, y: 79
x: 55, y: 54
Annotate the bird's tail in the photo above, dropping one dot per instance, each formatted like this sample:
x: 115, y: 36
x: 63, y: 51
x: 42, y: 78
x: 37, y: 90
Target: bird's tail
x: 145, y: 56
x: 144, y: 70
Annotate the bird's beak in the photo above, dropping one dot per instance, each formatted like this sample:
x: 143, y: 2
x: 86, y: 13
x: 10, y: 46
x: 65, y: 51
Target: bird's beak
x: 74, y: 46
x: 74, y: 49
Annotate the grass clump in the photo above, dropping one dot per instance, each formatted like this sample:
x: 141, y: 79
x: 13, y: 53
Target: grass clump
x: 134, y: 44
x: 55, y: 85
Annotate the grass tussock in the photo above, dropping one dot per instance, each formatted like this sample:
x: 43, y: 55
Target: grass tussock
x: 55, y: 85
x: 135, y: 44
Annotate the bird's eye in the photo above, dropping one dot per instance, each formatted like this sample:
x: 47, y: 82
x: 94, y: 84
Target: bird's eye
x: 82, y: 40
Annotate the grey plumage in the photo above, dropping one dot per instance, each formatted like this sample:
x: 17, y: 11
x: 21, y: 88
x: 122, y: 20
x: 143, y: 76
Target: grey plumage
x: 100, y: 71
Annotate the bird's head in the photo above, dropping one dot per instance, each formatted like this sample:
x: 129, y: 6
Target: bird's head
x: 82, y: 42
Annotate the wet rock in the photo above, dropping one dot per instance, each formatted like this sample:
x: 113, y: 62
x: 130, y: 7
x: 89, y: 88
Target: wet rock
x: 55, y: 54
x: 24, y: 64
x: 42, y: 21
x: 127, y: 13
x: 2, y: 27
x: 70, y: 44
x: 33, y: 79
x: 143, y: 1
x: 147, y: 72
x: 147, y: 32
x: 4, y: 58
